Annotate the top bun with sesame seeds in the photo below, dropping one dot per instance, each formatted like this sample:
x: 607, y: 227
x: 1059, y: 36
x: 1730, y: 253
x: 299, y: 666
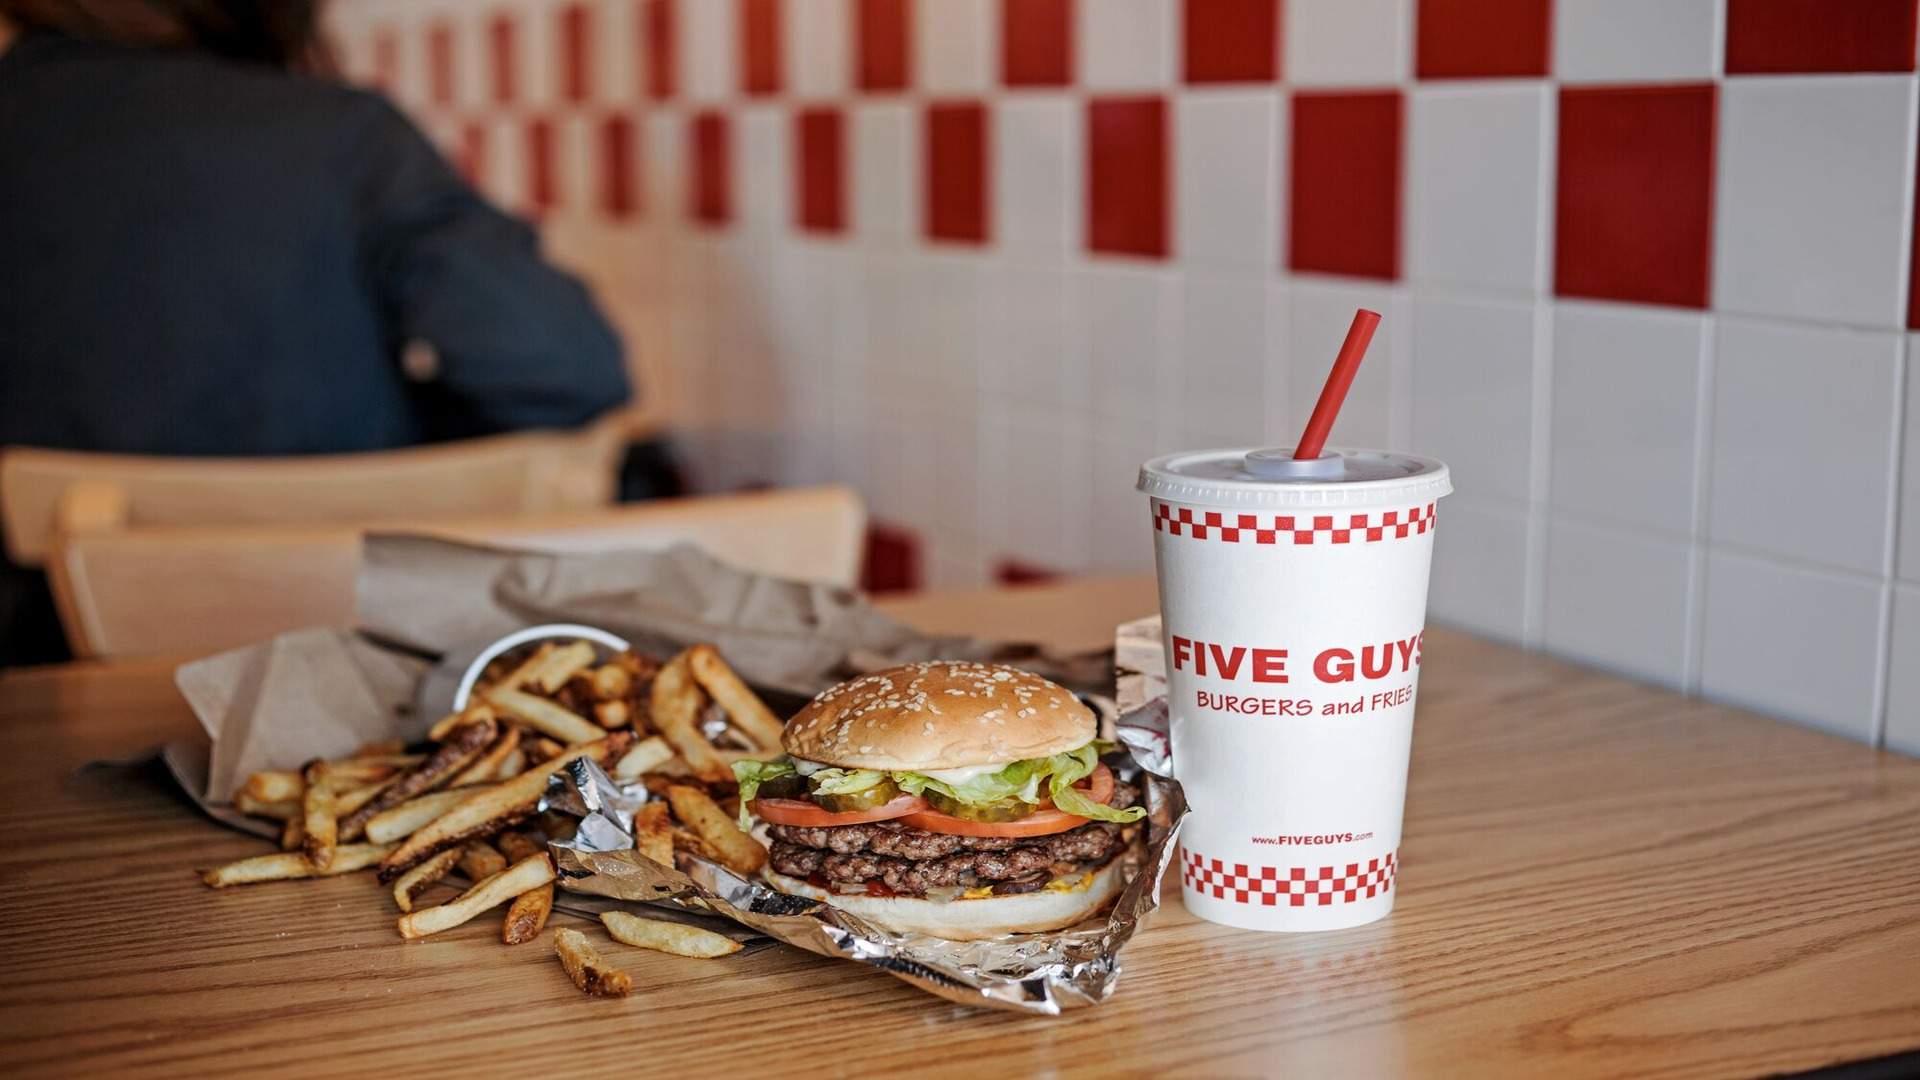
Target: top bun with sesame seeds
x: 940, y: 714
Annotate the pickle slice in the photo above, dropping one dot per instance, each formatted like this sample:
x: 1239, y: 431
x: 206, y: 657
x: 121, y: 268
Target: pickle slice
x: 879, y: 794
x: 998, y: 810
x: 790, y: 786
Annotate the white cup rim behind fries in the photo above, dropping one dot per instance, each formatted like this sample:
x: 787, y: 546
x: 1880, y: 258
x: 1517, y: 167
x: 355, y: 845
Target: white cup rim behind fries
x: 546, y: 631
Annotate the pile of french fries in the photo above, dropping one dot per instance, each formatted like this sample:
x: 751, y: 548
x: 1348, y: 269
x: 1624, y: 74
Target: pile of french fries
x: 466, y: 802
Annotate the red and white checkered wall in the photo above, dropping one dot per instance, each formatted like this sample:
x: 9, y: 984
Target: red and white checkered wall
x: 1646, y: 267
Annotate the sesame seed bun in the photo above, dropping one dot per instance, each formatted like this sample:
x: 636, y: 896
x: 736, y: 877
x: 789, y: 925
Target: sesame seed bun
x: 941, y: 714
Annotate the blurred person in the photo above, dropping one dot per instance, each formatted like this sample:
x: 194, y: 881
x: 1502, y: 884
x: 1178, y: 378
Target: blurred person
x: 208, y: 247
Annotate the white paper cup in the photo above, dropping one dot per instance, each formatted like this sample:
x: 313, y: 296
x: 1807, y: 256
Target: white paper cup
x: 1293, y: 598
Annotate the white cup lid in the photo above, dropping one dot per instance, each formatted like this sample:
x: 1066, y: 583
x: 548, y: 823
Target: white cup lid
x: 1269, y: 477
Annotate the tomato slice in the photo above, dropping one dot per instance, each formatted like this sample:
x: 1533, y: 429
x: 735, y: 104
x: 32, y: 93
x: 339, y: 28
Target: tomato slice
x: 1038, y: 823
x: 812, y: 815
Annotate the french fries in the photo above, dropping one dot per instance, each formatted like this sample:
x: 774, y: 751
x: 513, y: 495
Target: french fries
x: 487, y: 766
x: 666, y: 937
x: 528, y: 912
x: 653, y: 833
x: 476, y: 712
x: 587, y: 969
x: 293, y: 833
x: 410, y: 884
x: 611, y: 682
x: 381, y: 748
x: 744, y: 707
x: 737, y: 851
x: 542, y: 749
x: 319, y: 827
x: 463, y: 744
x: 612, y: 714
x: 399, y: 822
x: 561, y: 663
x: 677, y: 702
x: 480, y: 860
x: 287, y: 865
x: 278, y: 786
x: 500, y: 806
x: 279, y: 810
x: 647, y: 755
x: 529, y: 873
x: 544, y: 716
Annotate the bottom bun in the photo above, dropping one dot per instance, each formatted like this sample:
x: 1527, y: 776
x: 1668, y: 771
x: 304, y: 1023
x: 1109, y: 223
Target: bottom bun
x: 969, y: 920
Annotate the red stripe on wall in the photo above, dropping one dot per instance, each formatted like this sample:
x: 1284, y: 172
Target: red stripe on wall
x: 880, y: 45
x: 760, y: 47
x: 576, y: 53
x: 440, y: 63
x: 1036, y: 42
x: 956, y: 172
x: 659, y: 29
x: 1466, y: 39
x: 619, y: 195
x: 500, y: 55
x: 1782, y: 36
x: 712, y: 181
x: 1232, y: 40
x: 820, y: 202
x: 1127, y: 163
x: 472, y: 160
x: 1343, y: 216
x: 543, y: 187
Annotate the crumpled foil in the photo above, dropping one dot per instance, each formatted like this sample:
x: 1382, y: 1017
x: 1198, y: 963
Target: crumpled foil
x: 1034, y: 973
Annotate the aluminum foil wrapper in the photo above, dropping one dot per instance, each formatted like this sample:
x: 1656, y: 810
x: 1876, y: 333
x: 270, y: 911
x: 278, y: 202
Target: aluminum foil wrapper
x: 1035, y: 973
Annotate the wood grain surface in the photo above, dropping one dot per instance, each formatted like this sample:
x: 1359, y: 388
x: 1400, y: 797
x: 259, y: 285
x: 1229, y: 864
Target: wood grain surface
x: 1599, y: 879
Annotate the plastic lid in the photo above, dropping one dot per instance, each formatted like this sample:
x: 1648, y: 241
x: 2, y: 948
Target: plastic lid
x: 1269, y: 477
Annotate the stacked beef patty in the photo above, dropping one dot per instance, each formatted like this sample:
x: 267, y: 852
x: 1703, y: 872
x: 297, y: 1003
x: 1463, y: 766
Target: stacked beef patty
x: 909, y: 861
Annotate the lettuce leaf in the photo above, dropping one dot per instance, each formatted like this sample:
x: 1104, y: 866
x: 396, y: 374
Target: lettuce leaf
x: 751, y: 774
x: 1023, y: 780
x: 844, y: 781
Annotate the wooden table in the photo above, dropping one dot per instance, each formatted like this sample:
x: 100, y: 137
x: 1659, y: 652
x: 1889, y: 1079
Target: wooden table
x: 1600, y: 879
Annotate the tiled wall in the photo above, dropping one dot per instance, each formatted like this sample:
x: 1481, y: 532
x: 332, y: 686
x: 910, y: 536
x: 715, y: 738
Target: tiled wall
x: 1645, y: 267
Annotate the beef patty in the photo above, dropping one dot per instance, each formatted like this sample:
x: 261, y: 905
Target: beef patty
x: 911, y: 861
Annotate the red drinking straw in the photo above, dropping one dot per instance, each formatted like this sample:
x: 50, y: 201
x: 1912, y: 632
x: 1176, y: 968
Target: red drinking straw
x: 1345, y: 366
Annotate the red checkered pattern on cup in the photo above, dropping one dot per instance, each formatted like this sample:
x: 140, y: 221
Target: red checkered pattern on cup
x: 1291, y: 528
x: 1290, y: 886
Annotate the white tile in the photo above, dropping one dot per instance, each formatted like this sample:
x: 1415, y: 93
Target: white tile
x: 886, y: 171
x: 1907, y: 566
x: 1618, y: 599
x: 1477, y: 185
x: 949, y: 292
x: 1122, y: 537
x: 1222, y: 361
x: 506, y: 167
x: 818, y: 38
x: 953, y: 426
x: 1803, y: 442
x: 1123, y: 315
x: 1636, y: 40
x: 1473, y: 382
x: 537, y: 78
x: 1036, y: 192
x: 1347, y: 42
x: 1028, y: 351
x: 576, y: 161
x: 1126, y: 44
x: 709, y: 50
x: 1813, y: 182
x: 1626, y: 405
x: 1798, y: 644
x: 957, y: 45
x: 616, y: 52
x: 1037, y: 508
x: 761, y: 171
x: 1279, y: 404
x: 1374, y: 415
x: 1903, y: 683
x: 1479, y: 579
x: 1227, y: 179
x: 663, y: 162
x: 887, y: 342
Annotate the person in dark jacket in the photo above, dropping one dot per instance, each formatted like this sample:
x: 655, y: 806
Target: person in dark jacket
x: 207, y: 250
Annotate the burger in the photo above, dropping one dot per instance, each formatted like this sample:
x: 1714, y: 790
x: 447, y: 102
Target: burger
x: 949, y: 798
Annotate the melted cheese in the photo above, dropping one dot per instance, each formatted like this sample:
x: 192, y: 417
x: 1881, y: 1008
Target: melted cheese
x: 962, y: 774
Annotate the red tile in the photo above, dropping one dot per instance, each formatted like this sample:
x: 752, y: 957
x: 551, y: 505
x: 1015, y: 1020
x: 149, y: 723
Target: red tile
x: 1779, y: 36
x: 386, y: 60
x: 880, y: 45
x: 543, y: 187
x: 820, y: 141
x: 892, y: 562
x: 712, y: 186
x: 659, y: 31
x: 1127, y: 163
x: 1633, y: 215
x: 1344, y: 213
x: 576, y: 53
x: 760, y: 47
x: 1467, y: 39
x: 619, y: 193
x: 1017, y: 572
x: 1036, y: 42
x: 500, y: 59
x: 471, y: 159
x: 1232, y: 40
x: 440, y: 64
x: 956, y: 168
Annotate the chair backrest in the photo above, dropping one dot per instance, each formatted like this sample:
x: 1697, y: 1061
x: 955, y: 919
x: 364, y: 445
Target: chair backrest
x: 45, y: 492
x: 177, y: 591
